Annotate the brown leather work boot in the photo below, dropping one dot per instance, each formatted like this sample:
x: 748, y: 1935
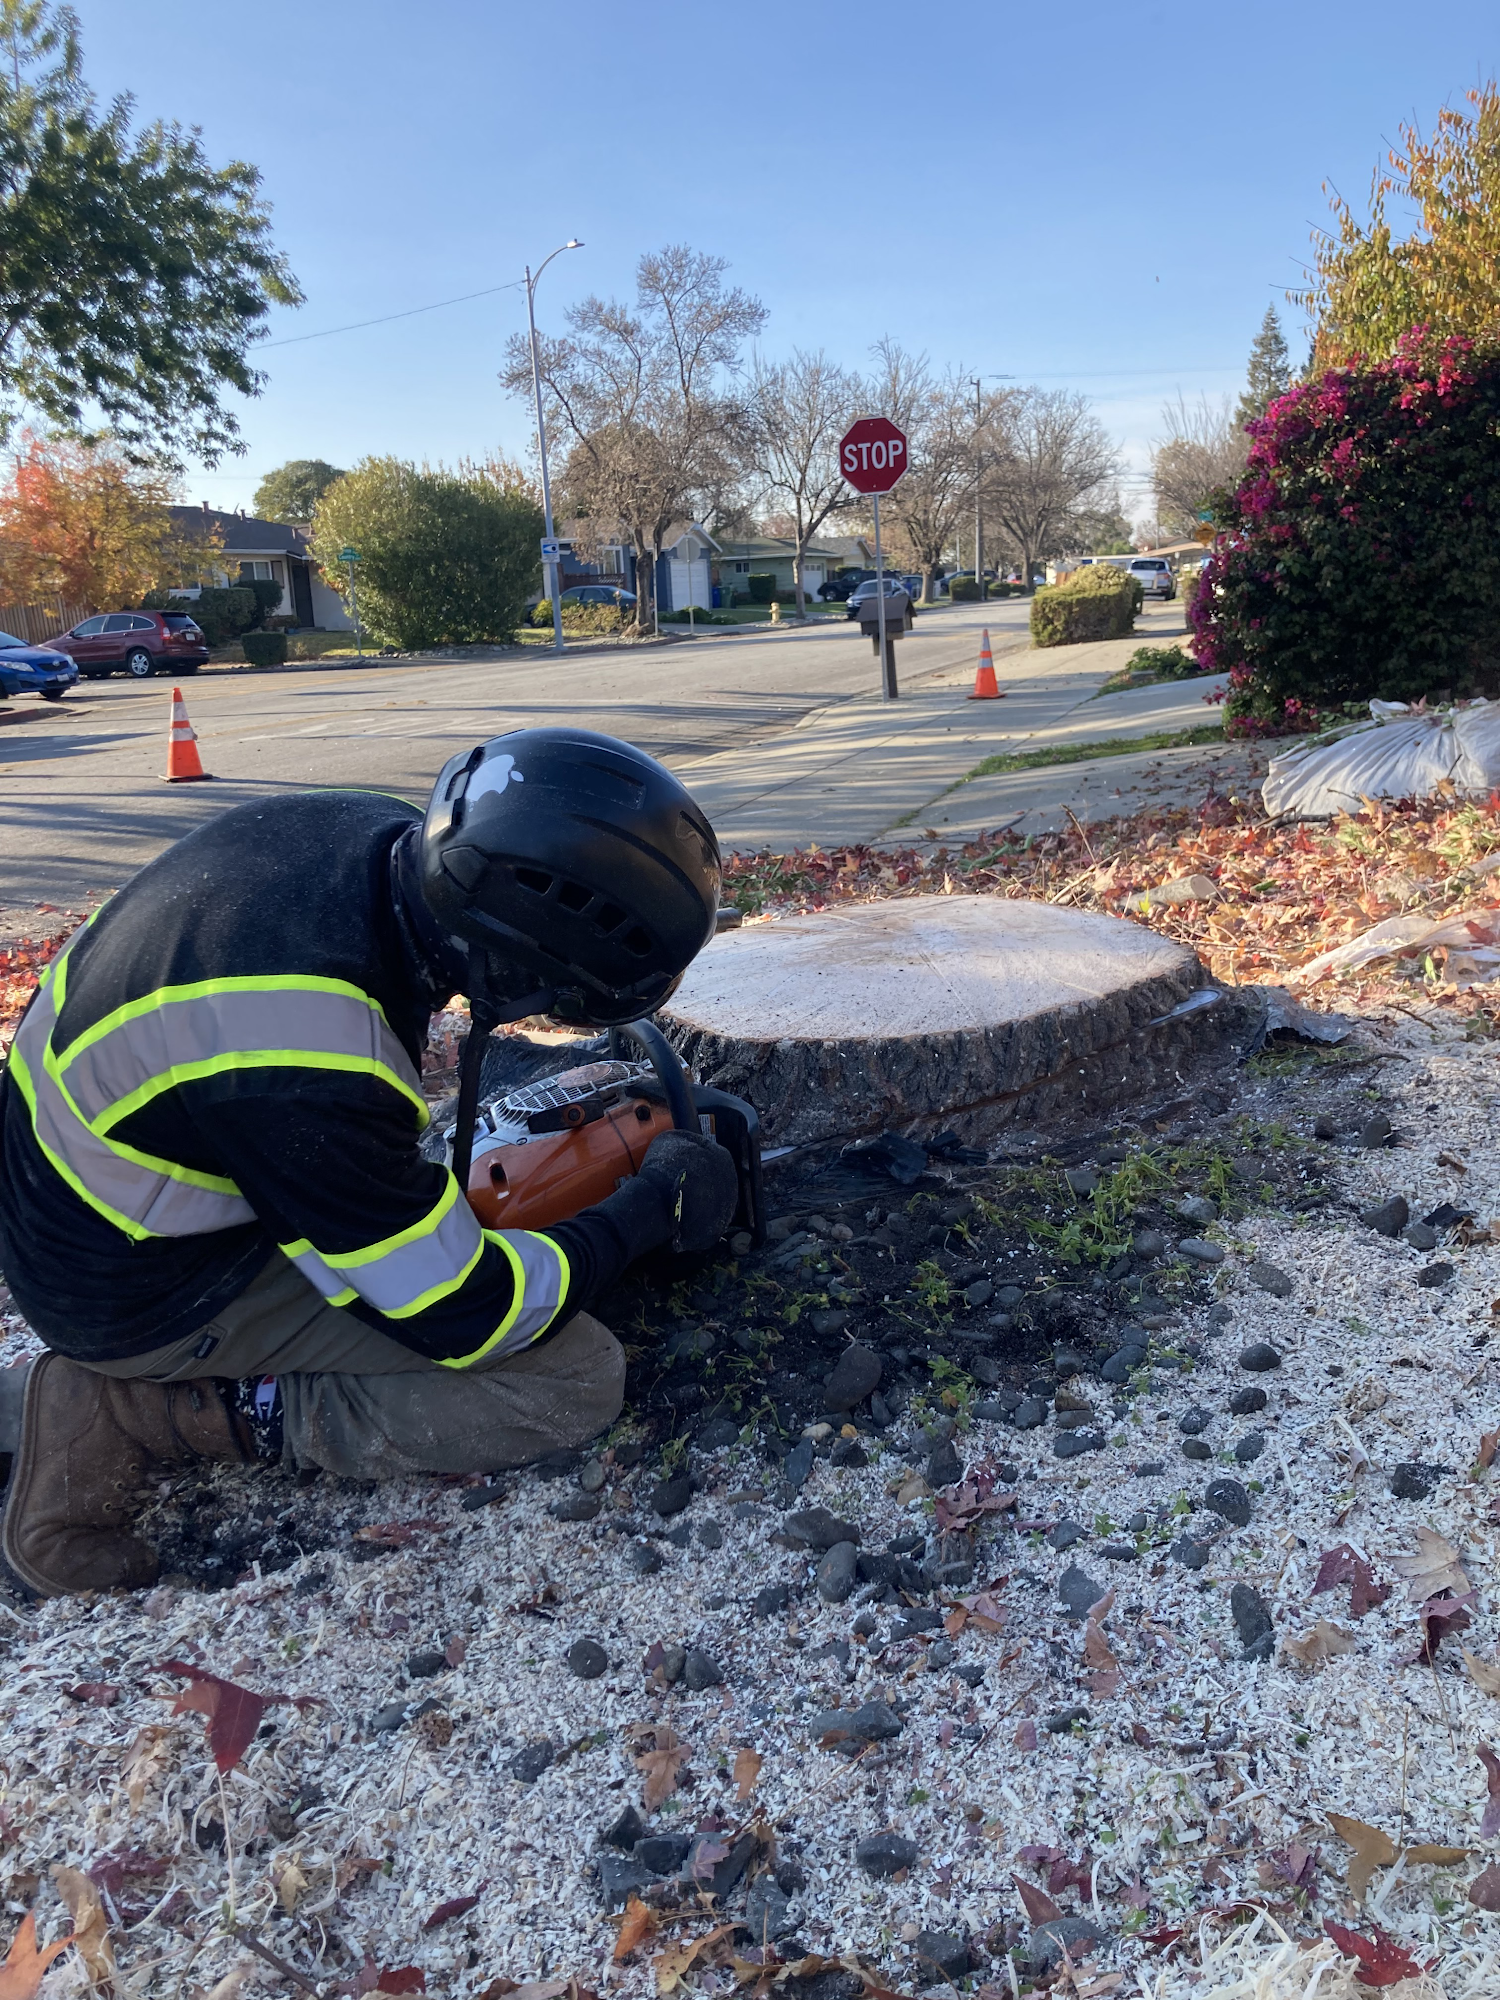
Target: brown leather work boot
x: 87, y: 1440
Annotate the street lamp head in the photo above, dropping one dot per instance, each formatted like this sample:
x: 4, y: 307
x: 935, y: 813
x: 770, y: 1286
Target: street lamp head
x: 573, y: 243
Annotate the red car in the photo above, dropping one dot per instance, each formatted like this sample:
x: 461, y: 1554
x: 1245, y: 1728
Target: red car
x: 142, y: 642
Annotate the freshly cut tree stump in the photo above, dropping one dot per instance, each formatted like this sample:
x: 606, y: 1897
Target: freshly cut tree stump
x: 967, y: 1013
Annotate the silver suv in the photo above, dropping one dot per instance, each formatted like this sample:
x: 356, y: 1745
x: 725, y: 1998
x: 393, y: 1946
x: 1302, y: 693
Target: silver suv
x: 1152, y: 573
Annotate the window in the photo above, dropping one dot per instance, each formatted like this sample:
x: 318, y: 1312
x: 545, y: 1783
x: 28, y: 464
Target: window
x: 89, y: 629
x: 255, y: 572
x: 143, y: 624
x: 119, y: 623
x: 742, y: 569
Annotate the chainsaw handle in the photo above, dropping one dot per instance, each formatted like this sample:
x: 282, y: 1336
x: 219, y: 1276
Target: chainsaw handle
x: 647, y: 1036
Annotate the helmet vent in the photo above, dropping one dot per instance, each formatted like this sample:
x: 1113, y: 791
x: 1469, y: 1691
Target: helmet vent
x: 608, y: 917
x: 636, y: 941
x: 573, y: 896
x: 535, y: 880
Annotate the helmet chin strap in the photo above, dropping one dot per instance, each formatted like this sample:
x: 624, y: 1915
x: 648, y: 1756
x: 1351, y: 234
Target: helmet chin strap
x: 486, y: 1013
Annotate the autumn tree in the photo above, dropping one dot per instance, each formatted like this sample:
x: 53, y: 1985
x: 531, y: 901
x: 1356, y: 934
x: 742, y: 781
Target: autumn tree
x: 1269, y: 374
x: 645, y: 400
x: 81, y: 522
x: 937, y: 415
x: 1369, y: 288
x: 135, y: 275
x: 1050, y: 456
x: 799, y: 409
x: 1202, y: 455
x: 292, y: 491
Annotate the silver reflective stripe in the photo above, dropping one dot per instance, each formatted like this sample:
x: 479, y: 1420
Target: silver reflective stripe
x: 228, y: 1029
x: 139, y: 1198
x: 541, y: 1295
x: 432, y: 1261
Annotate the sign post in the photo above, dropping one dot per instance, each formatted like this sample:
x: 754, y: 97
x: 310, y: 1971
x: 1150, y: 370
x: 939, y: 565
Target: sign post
x: 872, y: 457
x: 352, y: 556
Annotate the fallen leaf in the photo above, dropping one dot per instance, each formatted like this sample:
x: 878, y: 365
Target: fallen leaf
x: 662, y: 1756
x: 396, y: 1534
x: 1039, y: 1906
x: 1096, y: 1648
x: 1372, y: 1849
x: 291, y: 1885
x: 1346, y: 1565
x: 1425, y: 1855
x: 982, y: 1609
x: 1317, y: 1647
x: 234, y: 1712
x: 21, y: 1974
x: 675, y: 1962
x: 913, y: 1487
x: 457, y: 1650
x: 145, y: 1759
x: 1489, y: 1825
x: 708, y: 1855
x: 1025, y: 1736
x: 1489, y: 1443
x: 90, y: 1924
x: 97, y: 1694
x: 1440, y: 1618
x: 962, y: 1506
x: 398, y: 1979
x: 1434, y: 1569
x: 1485, y: 1677
x: 1382, y: 1961
x: 747, y: 1765
x: 456, y: 1906
x: 1484, y: 1890
x: 113, y: 1871
x: 228, y: 1988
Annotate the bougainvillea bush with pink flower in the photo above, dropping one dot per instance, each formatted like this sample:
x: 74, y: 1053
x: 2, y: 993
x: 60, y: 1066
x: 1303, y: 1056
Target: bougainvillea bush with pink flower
x: 1360, y: 555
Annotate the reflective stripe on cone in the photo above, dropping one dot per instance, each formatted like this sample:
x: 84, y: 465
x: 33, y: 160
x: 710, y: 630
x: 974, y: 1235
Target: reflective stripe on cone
x: 183, y: 761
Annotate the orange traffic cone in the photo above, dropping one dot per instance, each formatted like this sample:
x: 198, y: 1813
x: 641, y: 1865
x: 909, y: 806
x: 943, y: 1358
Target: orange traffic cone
x: 183, y: 761
x: 984, y: 681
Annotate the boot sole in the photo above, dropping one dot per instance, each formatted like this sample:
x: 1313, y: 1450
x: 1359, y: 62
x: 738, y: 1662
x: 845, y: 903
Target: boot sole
x: 32, y: 1579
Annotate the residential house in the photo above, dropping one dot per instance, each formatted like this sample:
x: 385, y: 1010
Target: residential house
x: 684, y: 571
x: 774, y: 555
x: 274, y: 551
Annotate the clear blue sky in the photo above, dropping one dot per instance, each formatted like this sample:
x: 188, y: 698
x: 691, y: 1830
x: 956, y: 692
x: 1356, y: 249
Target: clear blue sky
x: 1100, y: 197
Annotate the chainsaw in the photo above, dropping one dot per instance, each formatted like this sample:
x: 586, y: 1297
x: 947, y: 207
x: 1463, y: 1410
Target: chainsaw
x: 558, y: 1144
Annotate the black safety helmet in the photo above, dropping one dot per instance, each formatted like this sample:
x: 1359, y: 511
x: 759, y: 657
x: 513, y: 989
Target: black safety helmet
x: 578, y: 872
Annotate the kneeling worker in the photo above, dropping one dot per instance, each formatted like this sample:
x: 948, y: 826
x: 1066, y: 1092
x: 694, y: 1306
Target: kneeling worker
x: 213, y: 1208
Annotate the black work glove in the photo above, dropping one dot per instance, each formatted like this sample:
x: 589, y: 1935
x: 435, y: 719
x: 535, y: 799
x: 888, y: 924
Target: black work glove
x: 696, y: 1182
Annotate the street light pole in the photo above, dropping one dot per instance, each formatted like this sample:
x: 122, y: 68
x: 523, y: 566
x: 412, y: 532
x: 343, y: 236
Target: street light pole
x: 979, y: 497
x: 554, y: 567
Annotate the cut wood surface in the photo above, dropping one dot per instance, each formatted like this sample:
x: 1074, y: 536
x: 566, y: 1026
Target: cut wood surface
x: 933, y: 1011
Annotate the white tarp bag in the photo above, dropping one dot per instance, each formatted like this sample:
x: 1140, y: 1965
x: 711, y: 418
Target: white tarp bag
x: 1401, y: 753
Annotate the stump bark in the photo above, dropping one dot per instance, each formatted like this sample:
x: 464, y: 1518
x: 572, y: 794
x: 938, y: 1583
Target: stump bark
x: 969, y: 1013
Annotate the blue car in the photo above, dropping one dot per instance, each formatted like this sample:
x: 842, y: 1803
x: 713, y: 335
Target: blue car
x: 34, y: 669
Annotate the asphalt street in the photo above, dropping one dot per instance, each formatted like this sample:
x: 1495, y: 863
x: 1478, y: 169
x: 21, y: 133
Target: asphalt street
x: 83, y: 803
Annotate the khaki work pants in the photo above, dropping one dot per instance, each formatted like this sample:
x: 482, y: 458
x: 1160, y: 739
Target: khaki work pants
x: 358, y: 1403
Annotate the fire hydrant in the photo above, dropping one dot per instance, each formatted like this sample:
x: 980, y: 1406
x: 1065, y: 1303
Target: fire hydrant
x: 775, y: 612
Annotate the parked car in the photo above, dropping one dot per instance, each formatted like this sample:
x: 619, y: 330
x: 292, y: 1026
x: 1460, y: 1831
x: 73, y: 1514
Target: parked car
x: 913, y: 586
x: 865, y: 592
x: 599, y: 593
x: 838, y: 586
x: 1152, y: 573
x: 43, y: 670
x: 142, y: 642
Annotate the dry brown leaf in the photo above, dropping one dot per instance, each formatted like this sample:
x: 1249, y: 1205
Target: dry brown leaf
x: 1097, y: 1651
x: 1372, y: 1849
x: 1317, y: 1647
x: 291, y: 1886
x: 1489, y: 1443
x: 21, y: 1974
x: 675, y: 1962
x: 1434, y: 1569
x: 914, y: 1487
x: 1436, y: 1857
x: 663, y: 1754
x: 90, y: 1924
x: 747, y: 1765
x: 145, y: 1759
x: 636, y: 1925
x: 1485, y: 1677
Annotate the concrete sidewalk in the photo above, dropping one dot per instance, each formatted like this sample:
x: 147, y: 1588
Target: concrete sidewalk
x: 868, y: 768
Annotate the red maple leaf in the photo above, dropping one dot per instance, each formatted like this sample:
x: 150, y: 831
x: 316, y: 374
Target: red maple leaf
x: 1345, y: 1565
x: 234, y: 1712
x: 1382, y: 1962
x: 456, y: 1906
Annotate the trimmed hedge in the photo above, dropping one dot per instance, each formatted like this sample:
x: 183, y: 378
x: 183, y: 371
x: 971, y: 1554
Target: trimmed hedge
x: 1099, y: 602
x: 264, y: 649
x: 762, y: 586
x: 963, y: 589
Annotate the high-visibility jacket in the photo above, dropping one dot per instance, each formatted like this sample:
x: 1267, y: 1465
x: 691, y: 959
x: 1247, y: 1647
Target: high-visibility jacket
x: 226, y: 1060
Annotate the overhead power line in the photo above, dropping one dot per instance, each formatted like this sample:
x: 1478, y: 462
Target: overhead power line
x: 354, y: 326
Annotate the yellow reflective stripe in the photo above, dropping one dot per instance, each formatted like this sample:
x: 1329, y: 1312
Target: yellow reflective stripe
x: 350, y: 1260
x: 539, y: 1313
x: 208, y: 989
x: 444, y: 1288
x: 409, y: 1271
x: 247, y: 1059
x: 135, y: 1230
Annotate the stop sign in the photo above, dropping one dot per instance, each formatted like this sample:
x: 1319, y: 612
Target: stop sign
x: 872, y: 455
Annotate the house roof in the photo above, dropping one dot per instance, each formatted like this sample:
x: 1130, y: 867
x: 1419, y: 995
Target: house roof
x: 773, y: 545
x: 244, y: 534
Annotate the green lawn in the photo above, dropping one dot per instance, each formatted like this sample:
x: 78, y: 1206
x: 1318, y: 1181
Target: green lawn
x: 1108, y: 746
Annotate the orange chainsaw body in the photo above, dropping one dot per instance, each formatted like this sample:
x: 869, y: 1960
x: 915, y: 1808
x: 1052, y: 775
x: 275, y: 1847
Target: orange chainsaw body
x: 554, y: 1175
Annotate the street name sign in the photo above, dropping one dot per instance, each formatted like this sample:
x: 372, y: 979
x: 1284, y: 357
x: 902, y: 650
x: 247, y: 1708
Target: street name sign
x: 872, y: 455
x: 349, y: 555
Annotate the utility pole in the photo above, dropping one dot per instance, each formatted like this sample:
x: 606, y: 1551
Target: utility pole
x: 554, y: 566
x: 979, y: 496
